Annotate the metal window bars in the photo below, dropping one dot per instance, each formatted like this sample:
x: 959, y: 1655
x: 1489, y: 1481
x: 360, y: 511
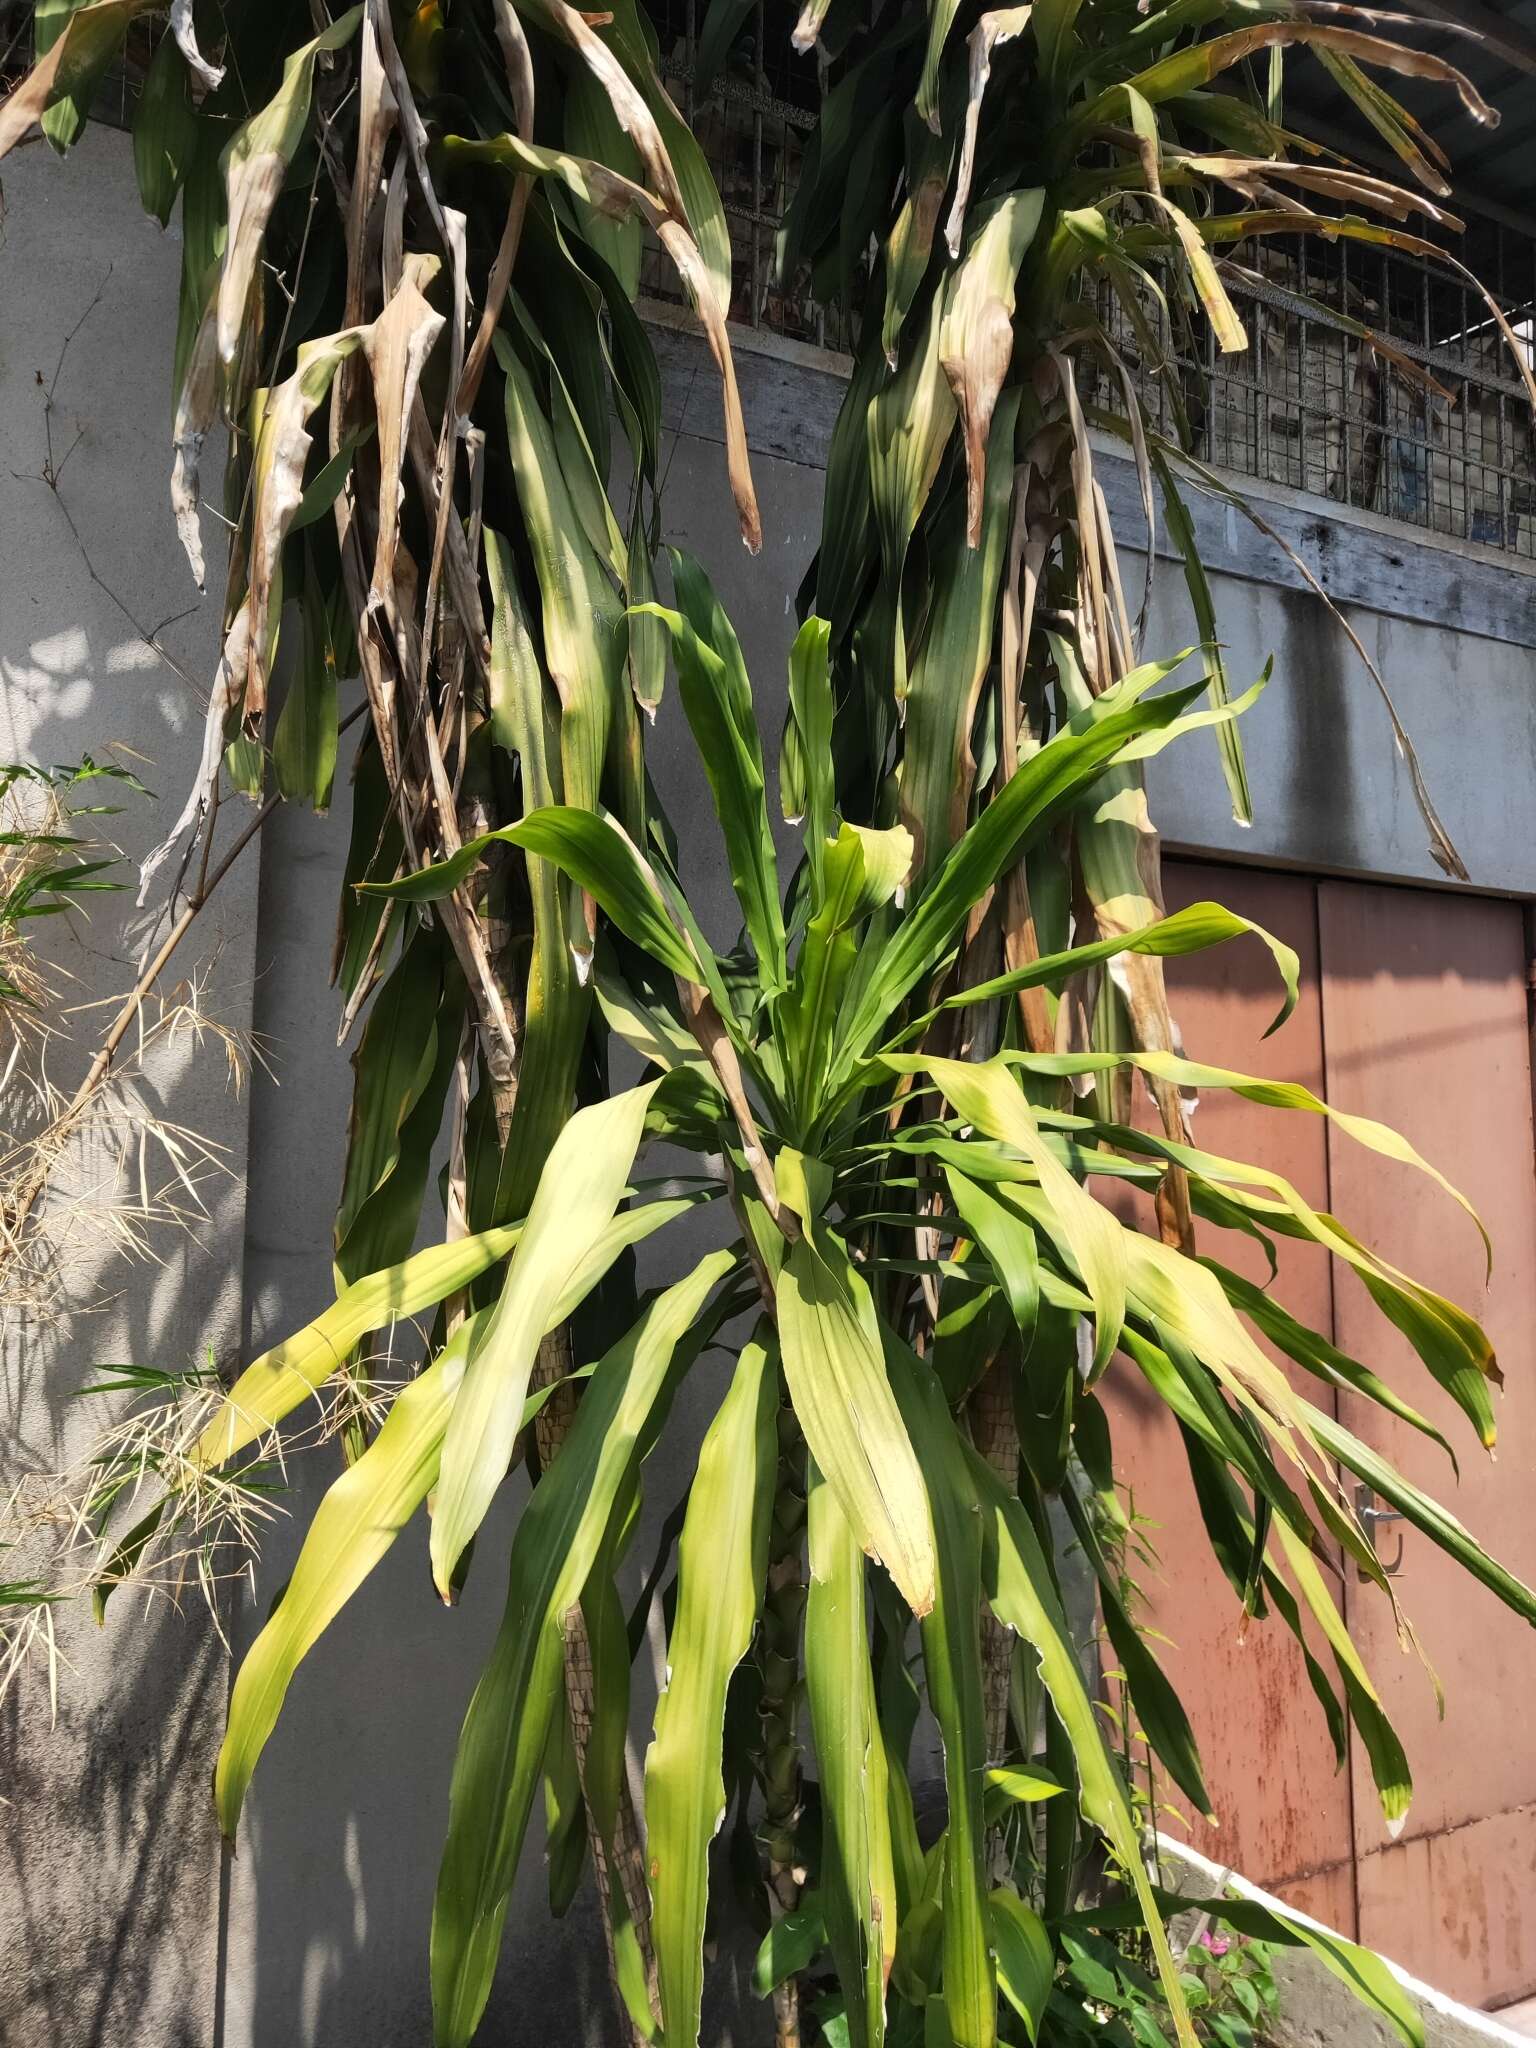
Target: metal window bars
x: 752, y: 122
x: 1432, y: 428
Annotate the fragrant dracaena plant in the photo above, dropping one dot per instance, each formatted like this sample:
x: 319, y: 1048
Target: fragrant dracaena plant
x: 1054, y: 203
x: 411, y: 246
x: 896, y: 1223
x: 427, y: 223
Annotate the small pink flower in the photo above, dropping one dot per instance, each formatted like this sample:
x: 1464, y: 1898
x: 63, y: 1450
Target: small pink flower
x: 1218, y: 1944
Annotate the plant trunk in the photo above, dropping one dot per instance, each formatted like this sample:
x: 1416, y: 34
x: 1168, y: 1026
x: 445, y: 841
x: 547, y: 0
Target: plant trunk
x: 624, y: 1858
x: 995, y: 1430
x: 779, y: 1755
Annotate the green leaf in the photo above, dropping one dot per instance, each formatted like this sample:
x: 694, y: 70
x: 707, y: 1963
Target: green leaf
x: 1026, y: 1965
x: 1426, y: 1515
x: 722, y: 1560
x: 1229, y: 736
x: 1190, y: 930
x: 806, y: 775
x: 556, y: 1004
x: 1042, y: 788
x: 165, y: 129
x: 1008, y: 1243
x: 938, y: 770
x: 842, y: 1397
x: 392, y: 1064
x: 792, y: 1943
x: 858, y: 1876
x: 595, y: 852
x: 717, y: 702
x: 1158, y: 1707
x: 591, y: 129
x: 274, y: 1384
x: 634, y: 39
x: 1365, y: 1973
x: 859, y: 872
x: 986, y: 1097
x: 501, y: 1750
x: 579, y: 1189
x: 1014, y: 1784
x: 304, y: 744
x: 1018, y: 1586
x: 352, y: 1529
x: 951, y: 1636
x: 580, y: 612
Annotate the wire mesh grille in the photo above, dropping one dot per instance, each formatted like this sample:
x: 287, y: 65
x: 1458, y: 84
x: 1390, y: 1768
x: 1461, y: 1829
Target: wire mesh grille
x: 752, y: 123
x: 1423, y: 417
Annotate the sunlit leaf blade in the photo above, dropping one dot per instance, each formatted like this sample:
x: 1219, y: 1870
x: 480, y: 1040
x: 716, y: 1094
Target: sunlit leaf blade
x: 722, y: 1557
x: 1189, y: 930
x: 352, y: 1529
x: 277, y: 1382
x: 858, y: 1878
x: 842, y: 1397
x: 500, y: 1754
x: 595, y: 852
x: 1026, y: 1966
x: 987, y: 1097
x: 580, y: 1188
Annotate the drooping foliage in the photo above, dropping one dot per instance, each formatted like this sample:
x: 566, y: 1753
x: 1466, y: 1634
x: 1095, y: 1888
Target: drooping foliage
x: 412, y: 245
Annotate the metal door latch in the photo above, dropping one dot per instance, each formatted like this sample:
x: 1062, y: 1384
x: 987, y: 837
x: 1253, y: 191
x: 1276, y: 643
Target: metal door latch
x: 1369, y: 1514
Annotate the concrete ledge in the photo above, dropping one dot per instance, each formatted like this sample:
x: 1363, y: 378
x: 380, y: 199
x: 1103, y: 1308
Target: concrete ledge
x: 790, y: 396
x: 1315, y: 2007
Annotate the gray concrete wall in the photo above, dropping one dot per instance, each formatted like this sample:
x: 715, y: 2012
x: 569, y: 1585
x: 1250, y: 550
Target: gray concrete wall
x: 109, y: 1857
x: 111, y: 1894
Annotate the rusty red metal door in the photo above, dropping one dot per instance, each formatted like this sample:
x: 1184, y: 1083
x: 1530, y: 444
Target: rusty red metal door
x: 1426, y: 1028
x: 1284, y: 1811
x: 1413, y: 1010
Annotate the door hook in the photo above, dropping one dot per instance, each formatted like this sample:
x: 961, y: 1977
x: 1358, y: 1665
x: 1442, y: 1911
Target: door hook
x: 1370, y: 1515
